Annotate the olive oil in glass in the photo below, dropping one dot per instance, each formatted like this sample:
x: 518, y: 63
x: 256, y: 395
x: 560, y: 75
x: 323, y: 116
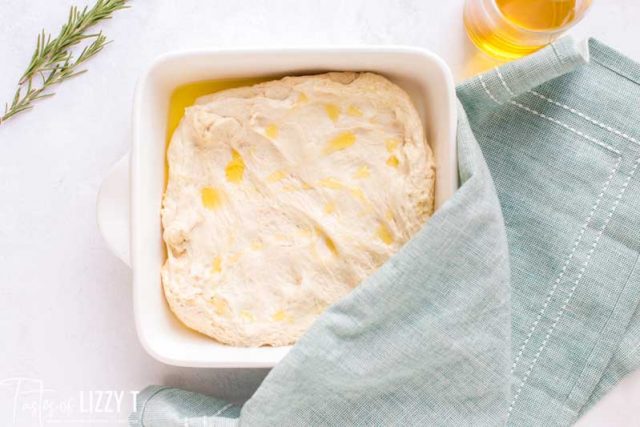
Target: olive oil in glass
x: 510, y: 29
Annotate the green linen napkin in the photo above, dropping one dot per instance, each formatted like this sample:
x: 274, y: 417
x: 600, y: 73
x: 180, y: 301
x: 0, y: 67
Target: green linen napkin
x: 481, y: 320
x: 564, y: 156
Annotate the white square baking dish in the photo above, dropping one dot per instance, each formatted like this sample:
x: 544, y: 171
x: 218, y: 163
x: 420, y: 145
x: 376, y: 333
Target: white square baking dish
x: 422, y: 74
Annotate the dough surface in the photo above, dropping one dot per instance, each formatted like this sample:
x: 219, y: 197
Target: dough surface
x: 284, y: 196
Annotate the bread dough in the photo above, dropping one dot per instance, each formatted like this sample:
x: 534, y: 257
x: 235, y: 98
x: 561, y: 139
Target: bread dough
x: 284, y: 196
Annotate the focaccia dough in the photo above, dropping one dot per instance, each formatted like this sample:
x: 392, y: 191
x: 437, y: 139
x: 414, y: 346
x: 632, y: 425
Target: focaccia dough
x: 284, y: 196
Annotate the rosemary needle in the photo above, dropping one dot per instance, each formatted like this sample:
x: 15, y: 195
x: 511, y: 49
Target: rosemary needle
x: 53, y: 61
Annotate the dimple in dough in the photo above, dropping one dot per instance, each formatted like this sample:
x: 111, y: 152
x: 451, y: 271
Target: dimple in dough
x: 284, y: 196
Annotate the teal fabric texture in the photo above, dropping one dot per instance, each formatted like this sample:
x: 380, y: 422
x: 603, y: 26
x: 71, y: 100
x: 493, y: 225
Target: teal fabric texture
x: 564, y: 159
x: 518, y: 301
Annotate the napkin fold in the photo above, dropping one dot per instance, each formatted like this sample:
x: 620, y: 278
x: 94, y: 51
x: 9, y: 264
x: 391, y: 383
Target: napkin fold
x: 564, y: 155
x: 518, y: 301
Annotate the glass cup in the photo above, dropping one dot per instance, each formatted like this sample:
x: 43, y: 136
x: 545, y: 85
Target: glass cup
x: 510, y: 29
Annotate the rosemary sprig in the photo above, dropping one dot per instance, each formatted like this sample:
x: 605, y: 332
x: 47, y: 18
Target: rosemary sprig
x: 53, y: 60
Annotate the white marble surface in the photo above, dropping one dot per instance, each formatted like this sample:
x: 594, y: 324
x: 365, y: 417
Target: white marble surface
x: 66, y: 320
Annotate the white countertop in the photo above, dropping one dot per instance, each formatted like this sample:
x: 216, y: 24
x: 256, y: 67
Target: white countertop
x: 66, y: 318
